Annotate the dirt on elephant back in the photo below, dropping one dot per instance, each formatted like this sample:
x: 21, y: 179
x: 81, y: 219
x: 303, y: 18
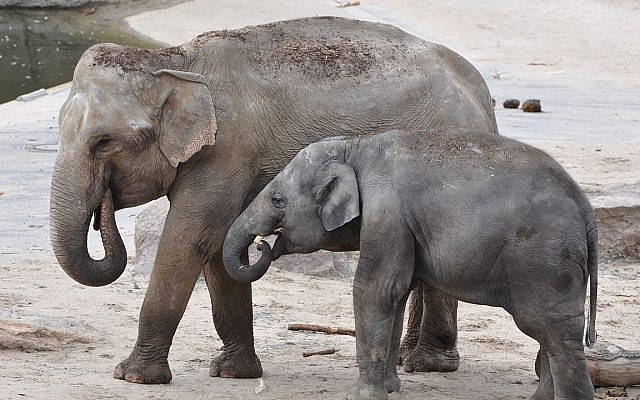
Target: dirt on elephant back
x: 129, y: 58
x: 321, y: 47
x: 325, y: 57
x: 337, y: 58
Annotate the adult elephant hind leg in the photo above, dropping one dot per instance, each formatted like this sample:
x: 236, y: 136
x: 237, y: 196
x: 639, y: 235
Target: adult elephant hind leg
x: 174, y: 275
x: 436, y: 348
x: 233, y: 318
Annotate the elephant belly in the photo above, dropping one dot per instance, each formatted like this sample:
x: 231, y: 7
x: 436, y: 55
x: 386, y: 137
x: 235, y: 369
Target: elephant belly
x: 473, y: 273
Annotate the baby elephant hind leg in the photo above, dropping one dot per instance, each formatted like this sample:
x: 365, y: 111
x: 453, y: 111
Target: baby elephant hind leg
x: 556, y: 321
x: 545, y: 386
x: 562, y: 366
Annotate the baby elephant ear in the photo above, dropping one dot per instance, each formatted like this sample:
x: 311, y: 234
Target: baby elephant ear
x: 338, y: 196
x: 188, y: 118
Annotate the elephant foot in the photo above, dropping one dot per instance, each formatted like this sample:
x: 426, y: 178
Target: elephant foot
x: 236, y: 365
x: 392, y: 383
x: 366, y: 392
x: 409, y: 343
x: 135, y: 369
x: 543, y: 395
x: 427, y: 360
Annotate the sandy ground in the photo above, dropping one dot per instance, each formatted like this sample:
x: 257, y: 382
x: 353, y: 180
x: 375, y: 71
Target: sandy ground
x: 100, y: 324
x: 579, y: 57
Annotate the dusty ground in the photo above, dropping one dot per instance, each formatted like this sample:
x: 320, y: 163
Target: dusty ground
x: 94, y: 328
x: 580, y: 58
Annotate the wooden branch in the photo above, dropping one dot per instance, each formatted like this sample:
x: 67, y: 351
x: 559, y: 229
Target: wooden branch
x: 610, y: 365
x: 320, y: 352
x: 324, y: 329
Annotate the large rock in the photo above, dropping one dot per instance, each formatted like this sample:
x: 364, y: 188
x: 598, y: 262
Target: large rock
x: 149, y: 226
x: 52, y: 3
x: 150, y: 223
x: 321, y: 263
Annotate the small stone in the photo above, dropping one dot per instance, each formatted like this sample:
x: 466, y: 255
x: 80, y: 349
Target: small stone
x: 511, y: 103
x: 531, y: 105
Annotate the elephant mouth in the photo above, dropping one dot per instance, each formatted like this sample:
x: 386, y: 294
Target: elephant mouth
x: 97, y: 213
x: 108, y: 201
x: 279, y: 246
x: 96, y: 216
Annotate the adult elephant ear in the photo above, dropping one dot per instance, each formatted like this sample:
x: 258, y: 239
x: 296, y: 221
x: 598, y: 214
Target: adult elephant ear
x: 188, y: 119
x: 338, y: 196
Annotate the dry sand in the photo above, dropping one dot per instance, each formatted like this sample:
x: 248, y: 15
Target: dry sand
x: 68, y: 337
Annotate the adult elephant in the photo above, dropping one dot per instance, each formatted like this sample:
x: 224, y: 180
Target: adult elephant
x: 139, y: 124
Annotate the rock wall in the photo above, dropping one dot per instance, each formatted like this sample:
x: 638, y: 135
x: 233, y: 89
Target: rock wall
x: 51, y: 3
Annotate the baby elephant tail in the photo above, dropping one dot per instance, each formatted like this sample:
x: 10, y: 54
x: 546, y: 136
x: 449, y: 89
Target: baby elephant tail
x: 592, y: 266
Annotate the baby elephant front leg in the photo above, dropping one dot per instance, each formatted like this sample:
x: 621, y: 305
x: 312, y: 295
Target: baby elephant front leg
x: 378, y: 292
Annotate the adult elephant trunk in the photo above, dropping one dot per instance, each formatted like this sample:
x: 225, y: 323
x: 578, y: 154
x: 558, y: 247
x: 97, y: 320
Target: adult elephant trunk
x: 71, y: 208
x: 234, y: 251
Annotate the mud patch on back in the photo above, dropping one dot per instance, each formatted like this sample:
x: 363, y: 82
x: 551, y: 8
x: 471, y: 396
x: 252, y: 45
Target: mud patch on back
x: 131, y: 59
x: 330, y: 58
x: 206, y: 37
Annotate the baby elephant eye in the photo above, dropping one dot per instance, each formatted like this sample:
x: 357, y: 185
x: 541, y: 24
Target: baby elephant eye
x: 279, y: 201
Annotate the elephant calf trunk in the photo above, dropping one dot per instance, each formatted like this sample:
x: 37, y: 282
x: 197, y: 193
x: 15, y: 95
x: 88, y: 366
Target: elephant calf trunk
x: 234, y: 253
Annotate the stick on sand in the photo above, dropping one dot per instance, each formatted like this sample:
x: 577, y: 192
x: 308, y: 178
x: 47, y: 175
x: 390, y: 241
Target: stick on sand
x: 319, y: 352
x: 324, y: 329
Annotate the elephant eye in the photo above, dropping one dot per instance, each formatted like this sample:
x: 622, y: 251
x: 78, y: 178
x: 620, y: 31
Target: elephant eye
x: 279, y: 201
x: 101, y: 143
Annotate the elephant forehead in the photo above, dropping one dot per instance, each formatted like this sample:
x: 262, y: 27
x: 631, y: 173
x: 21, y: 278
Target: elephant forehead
x: 97, y: 113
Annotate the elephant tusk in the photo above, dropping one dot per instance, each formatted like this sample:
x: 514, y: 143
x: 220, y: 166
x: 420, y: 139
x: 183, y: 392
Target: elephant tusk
x: 258, y: 239
x: 278, y: 231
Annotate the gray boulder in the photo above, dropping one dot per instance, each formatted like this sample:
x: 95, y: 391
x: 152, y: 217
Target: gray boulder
x: 321, y: 263
x: 149, y: 226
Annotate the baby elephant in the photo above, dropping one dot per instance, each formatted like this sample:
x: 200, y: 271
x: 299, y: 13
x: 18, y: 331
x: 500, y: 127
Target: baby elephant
x: 483, y: 218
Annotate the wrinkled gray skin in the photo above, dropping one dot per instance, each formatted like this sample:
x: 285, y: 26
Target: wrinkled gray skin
x: 486, y: 219
x: 138, y: 124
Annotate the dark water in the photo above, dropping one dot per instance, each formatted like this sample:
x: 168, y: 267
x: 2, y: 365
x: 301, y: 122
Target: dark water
x: 39, y: 49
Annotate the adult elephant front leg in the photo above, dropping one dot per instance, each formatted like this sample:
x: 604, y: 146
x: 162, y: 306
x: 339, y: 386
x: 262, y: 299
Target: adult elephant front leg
x: 174, y: 275
x: 233, y: 319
